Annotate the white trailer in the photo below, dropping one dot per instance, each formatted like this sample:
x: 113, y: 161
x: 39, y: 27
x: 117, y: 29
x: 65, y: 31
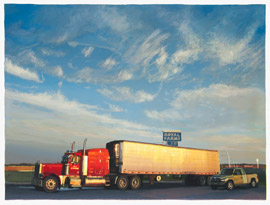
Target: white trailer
x: 129, y: 159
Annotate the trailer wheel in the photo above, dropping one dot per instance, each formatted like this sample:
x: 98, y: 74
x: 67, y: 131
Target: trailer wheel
x: 50, y: 184
x: 122, y: 182
x: 135, y: 182
x: 208, y: 180
x: 202, y: 181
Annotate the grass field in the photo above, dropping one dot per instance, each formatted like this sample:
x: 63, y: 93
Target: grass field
x: 17, y: 176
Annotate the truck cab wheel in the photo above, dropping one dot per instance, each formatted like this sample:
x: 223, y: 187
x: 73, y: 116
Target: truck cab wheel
x: 122, y: 182
x: 135, y: 182
x: 229, y: 185
x: 50, y: 184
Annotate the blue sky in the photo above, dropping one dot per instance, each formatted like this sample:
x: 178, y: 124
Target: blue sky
x: 128, y: 72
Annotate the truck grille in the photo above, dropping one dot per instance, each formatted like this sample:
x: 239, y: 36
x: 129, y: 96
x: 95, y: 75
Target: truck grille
x: 37, y: 166
x: 215, y: 179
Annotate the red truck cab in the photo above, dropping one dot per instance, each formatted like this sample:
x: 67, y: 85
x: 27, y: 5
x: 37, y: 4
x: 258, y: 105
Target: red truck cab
x: 77, y: 169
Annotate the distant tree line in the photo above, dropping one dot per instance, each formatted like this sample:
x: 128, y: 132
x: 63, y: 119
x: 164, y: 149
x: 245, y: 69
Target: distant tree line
x: 20, y: 164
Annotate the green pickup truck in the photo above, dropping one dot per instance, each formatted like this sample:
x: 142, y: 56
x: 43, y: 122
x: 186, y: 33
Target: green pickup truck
x: 231, y: 177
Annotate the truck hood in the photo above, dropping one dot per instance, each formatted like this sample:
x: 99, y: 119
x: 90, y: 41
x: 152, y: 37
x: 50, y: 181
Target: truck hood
x: 221, y: 176
x: 52, y: 168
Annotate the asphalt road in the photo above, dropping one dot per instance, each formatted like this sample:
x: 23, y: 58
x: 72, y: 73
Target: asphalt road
x: 159, y: 190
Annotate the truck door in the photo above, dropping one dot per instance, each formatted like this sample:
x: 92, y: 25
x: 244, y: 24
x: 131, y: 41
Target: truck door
x: 244, y: 175
x: 237, y: 177
x: 75, y: 165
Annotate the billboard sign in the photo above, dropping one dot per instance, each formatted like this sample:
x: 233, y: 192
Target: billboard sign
x: 172, y: 136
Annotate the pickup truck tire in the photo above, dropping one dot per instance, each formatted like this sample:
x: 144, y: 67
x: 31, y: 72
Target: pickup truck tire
x: 213, y: 187
x: 50, y: 184
x: 135, y: 182
x: 253, y: 183
x: 122, y: 182
x: 229, y: 185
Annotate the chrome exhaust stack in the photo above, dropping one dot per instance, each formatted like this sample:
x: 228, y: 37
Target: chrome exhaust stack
x: 84, y: 160
x: 72, y: 146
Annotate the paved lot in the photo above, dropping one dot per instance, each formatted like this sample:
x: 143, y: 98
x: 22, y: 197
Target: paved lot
x: 157, y: 191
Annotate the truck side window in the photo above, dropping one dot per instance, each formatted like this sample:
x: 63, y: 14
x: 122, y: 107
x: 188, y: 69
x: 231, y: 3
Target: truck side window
x: 76, y: 159
x: 238, y: 172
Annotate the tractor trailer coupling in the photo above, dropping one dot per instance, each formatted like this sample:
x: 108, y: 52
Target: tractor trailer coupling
x: 125, y: 164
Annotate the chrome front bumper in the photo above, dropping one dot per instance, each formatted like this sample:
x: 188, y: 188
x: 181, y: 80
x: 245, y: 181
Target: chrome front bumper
x: 218, y: 183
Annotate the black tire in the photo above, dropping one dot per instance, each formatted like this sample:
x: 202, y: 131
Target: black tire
x: 253, y: 183
x: 229, y: 185
x: 214, y: 187
x: 122, y: 182
x: 50, y: 184
x: 202, y: 180
x: 135, y: 182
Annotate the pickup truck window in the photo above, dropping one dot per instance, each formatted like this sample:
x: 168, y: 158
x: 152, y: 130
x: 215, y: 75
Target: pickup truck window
x: 227, y: 172
x: 237, y: 172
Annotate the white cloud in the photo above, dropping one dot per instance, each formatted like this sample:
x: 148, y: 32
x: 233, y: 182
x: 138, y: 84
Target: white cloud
x: 58, y: 103
x: 148, y: 49
x: 56, y: 71
x: 20, y: 72
x: 123, y: 75
x: 161, y: 60
x: 49, y: 52
x: 84, y: 75
x: 60, y: 84
x: 29, y: 56
x: 115, y: 108
x: 109, y: 63
x: 163, y: 115
x: 126, y: 94
x: 217, y: 106
x: 111, y: 18
x: 231, y: 52
x: 90, y: 75
x: 87, y: 51
x: 73, y: 43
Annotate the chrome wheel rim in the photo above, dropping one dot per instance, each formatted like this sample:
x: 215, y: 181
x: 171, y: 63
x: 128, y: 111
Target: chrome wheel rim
x: 122, y: 182
x: 50, y: 184
x: 230, y: 186
x: 135, y: 183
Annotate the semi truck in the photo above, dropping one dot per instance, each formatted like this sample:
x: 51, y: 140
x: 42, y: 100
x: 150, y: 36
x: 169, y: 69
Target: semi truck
x: 124, y: 164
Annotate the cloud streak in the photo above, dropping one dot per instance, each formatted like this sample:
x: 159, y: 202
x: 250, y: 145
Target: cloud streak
x: 126, y: 94
x: 20, y: 72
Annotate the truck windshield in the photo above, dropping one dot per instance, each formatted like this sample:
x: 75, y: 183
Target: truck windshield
x: 227, y: 172
x: 65, y: 158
